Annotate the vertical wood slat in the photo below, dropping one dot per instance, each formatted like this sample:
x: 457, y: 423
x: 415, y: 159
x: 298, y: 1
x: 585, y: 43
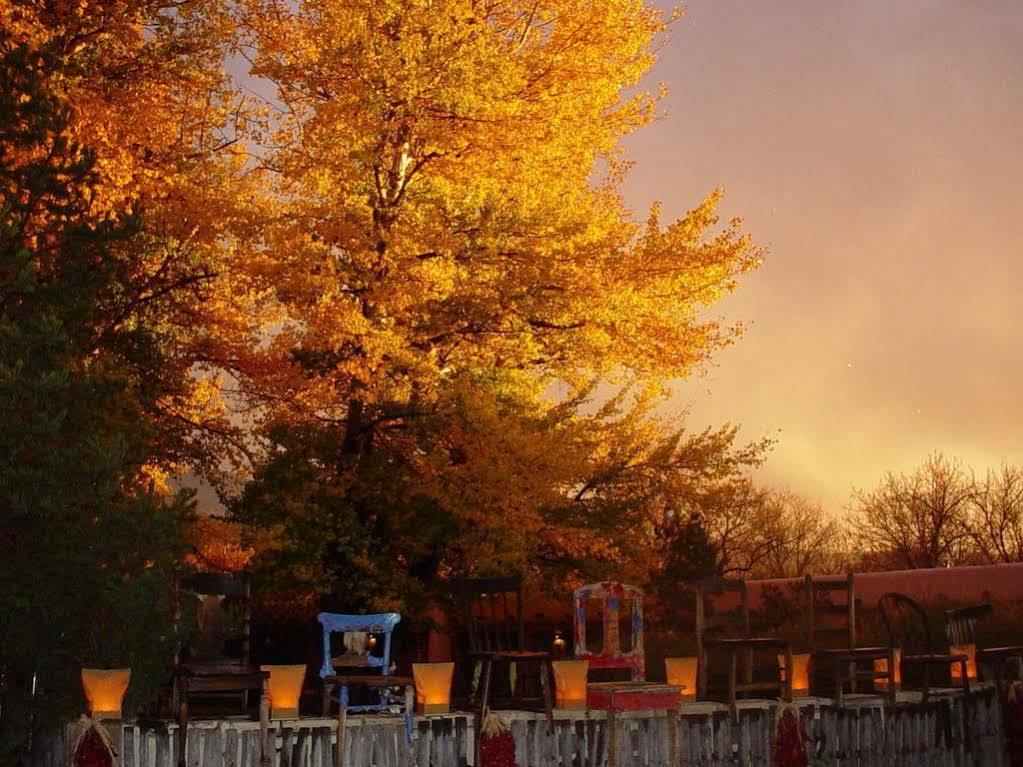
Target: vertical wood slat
x: 150, y: 749
x: 211, y: 749
x: 436, y: 755
x: 232, y: 748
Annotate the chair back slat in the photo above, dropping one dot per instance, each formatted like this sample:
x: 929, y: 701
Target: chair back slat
x: 962, y: 625
x: 829, y: 612
x: 906, y: 623
x: 493, y: 613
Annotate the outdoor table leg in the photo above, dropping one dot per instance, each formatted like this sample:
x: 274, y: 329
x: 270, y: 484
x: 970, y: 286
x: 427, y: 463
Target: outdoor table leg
x: 839, y: 682
x: 325, y: 699
x: 546, y: 672
x: 893, y: 692
x: 787, y: 690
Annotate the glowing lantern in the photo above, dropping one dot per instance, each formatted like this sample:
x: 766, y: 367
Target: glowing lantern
x: 285, y: 689
x: 682, y: 673
x: 570, y: 682
x: 800, y: 673
x: 433, y: 687
x: 970, y: 651
x: 559, y: 644
x: 104, y: 690
x: 881, y: 664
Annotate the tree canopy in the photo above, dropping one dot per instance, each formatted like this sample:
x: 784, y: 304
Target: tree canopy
x: 395, y: 309
x: 463, y: 330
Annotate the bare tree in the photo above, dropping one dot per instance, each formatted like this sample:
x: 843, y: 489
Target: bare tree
x: 768, y: 533
x: 997, y: 520
x: 917, y: 520
x: 806, y: 539
x: 732, y: 514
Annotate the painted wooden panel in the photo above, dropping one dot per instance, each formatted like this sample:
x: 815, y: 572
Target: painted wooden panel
x: 612, y: 596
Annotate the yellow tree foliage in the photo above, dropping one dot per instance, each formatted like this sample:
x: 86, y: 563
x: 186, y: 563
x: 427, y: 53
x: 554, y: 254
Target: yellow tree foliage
x: 449, y: 269
x: 418, y: 271
x: 217, y: 546
x: 161, y: 123
x: 448, y: 177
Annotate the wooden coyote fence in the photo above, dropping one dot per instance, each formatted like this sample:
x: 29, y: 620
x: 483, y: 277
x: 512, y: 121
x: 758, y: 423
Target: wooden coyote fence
x: 953, y: 731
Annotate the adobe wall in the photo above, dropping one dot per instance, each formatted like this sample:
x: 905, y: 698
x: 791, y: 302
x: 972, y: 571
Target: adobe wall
x: 995, y: 583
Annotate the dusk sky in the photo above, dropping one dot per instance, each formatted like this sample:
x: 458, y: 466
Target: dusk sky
x: 876, y: 148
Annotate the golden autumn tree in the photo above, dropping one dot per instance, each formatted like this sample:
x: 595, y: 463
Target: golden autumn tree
x: 450, y: 286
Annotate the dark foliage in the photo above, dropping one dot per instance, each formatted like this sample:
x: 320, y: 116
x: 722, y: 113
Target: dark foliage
x: 87, y: 550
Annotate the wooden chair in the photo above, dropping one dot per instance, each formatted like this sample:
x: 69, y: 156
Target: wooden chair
x: 216, y: 663
x: 611, y: 597
x: 727, y: 632
x: 831, y: 636
x: 908, y: 629
x: 359, y: 633
x: 962, y: 627
x: 492, y: 610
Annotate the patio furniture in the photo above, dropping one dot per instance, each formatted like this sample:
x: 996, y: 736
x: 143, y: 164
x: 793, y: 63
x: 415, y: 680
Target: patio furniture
x: 831, y: 637
x: 618, y: 697
x: 364, y: 669
x: 620, y: 609
x: 727, y: 632
x: 619, y: 650
x: 216, y: 665
x: 962, y: 627
x: 908, y: 629
x: 492, y: 610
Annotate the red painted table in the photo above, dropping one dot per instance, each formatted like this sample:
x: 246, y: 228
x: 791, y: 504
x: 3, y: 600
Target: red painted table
x: 632, y: 696
x: 615, y: 697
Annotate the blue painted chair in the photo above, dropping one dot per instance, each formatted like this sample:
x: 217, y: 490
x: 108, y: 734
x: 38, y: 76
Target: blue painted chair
x: 395, y: 694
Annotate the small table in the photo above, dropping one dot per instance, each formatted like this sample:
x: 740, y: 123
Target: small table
x: 846, y: 668
x: 615, y: 697
x: 217, y: 678
x: 378, y: 682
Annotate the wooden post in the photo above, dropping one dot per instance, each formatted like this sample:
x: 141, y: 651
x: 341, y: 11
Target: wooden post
x: 893, y: 693
x: 342, y: 715
x: 410, y: 724
x: 181, y: 684
x: 732, y: 681
x: 701, y: 650
x: 673, y: 744
x: 264, y: 723
x: 612, y: 736
x: 326, y: 690
x: 546, y: 672
x: 789, y: 669
x: 839, y: 682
